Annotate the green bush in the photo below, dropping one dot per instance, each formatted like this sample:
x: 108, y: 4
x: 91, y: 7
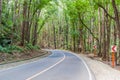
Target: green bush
x: 31, y: 47
x: 10, y: 49
x: 13, y: 48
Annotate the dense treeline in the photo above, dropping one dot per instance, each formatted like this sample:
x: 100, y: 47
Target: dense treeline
x: 19, y: 20
x: 80, y: 25
x: 19, y: 23
x: 76, y: 25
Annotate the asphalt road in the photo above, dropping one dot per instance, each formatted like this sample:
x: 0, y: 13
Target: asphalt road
x: 60, y: 65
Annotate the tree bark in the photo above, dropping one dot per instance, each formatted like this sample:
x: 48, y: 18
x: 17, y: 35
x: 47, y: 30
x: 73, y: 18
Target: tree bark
x: 24, y: 23
x: 100, y: 35
x: 54, y: 34
x: 104, y: 36
x: 28, y: 26
x: 108, y: 24
x: 67, y: 32
x: 0, y: 11
x: 35, y: 35
x: 117, y: 20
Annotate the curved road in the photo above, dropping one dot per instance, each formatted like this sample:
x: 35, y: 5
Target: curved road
x: 60, y: 65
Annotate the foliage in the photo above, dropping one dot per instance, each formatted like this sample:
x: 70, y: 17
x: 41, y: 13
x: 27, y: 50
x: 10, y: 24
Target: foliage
x: 31, y: 47
x: 10, y: 49
x: 64, y: 24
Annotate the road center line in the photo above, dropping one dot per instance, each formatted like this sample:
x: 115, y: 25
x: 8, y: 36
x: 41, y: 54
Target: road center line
x: 30, y: 78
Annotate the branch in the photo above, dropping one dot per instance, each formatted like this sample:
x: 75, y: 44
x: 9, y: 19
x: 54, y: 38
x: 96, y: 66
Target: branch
x: 106, y: 11
x: 88, y: 29
x: 41, y: 26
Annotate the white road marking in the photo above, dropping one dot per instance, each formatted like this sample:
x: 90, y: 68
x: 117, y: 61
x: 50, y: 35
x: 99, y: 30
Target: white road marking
x: 30, y: 78
x: 88, y: 69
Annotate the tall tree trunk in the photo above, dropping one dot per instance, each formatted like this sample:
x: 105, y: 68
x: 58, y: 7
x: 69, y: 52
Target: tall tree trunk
x: 104, y: 36
x: 81, y: 45
x: 28, y: 26
x: 24, y: 23
x: 14, y: 17
x: 108, y: 38
x: 59, y: 34
x: 117, y: 20
x: 35, y: 34
x: 108, y: 31
x: 100, y: 35
x: 115, y: 34
x: 67, y: 32
x: 73, y: 37
x: 0, y: 11
x: 54, y: 34
x: 49, y: 35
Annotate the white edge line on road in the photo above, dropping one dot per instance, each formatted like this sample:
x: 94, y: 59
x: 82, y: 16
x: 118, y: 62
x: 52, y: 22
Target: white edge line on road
x: 88, y: 69
x: 19, y: 65
x: 47, y: 68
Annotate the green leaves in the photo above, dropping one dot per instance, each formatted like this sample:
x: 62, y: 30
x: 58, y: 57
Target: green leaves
x: 74, y: 33
x: 31, y: 47
x: 10, y: 49
x: 41, y: 4
x: 82, y: 5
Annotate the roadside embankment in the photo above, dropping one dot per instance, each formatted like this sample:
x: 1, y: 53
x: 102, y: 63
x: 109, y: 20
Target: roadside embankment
x: 23, y: 58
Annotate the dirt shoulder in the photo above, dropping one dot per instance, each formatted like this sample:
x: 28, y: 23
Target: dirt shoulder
x: 12, y: 60
x: 101, y: 70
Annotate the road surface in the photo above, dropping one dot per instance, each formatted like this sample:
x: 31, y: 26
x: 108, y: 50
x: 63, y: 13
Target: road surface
x: 60, y: 65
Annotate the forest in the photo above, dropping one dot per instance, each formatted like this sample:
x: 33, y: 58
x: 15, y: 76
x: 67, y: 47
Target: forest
x: 78, y: 25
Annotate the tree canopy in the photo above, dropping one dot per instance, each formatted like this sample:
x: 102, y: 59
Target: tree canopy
x: 76, y: 25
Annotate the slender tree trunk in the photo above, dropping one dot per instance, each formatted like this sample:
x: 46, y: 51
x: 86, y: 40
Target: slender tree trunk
x: 104, y: 37
x: 108, y: 24
x: 48, y: 35
x: 35, y: 35
x: 73, y: 37
x: 108, y: 32
x: 117, y: 20
x: 54, y: 34
x: 28, y: 26
x: 0, y: 11
x: 59, y: 34
x: 115, y: 34
x: 67, y: 32
x: 81, y: 35
x: 74, y: 47
x: 14, y: 18
x: 100, y: 31
x: 24, y: 23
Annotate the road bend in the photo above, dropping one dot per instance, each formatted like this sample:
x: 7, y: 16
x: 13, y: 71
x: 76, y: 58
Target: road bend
x: 60, y: 65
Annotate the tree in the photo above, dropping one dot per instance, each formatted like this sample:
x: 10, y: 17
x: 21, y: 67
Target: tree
x: 0, y: 10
